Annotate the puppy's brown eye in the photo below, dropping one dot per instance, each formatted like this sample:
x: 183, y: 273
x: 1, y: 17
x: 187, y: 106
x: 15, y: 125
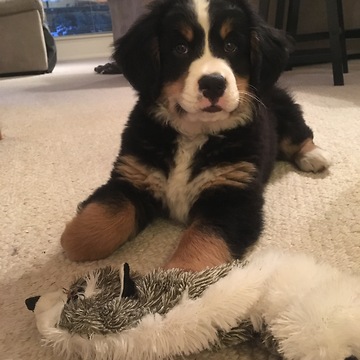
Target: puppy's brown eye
x: 181, y: 49
x: 230, y: 47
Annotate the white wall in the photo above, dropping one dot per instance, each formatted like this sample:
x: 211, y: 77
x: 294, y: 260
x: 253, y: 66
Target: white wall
x: 84, y: 46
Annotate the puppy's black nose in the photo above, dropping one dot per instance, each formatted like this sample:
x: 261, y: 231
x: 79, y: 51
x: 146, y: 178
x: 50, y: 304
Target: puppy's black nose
x: 212, y: 86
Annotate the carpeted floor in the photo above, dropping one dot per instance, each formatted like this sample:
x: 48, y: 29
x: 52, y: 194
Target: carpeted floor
x: 60, y: 136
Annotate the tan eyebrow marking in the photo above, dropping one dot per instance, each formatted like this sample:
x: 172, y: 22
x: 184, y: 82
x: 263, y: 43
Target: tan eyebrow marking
x: 187, y: 31
x: 226, y: 28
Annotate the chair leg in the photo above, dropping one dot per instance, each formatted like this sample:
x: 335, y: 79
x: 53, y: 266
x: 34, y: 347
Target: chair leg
x: 293, y: 17
x: 264, y: 6
x: 280, y: 14
x: 292, y: 22
x: 342, y: 36
x: 335, y: 43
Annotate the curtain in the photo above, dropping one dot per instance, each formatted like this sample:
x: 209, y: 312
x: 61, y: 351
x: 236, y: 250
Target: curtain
x: 123, y: 14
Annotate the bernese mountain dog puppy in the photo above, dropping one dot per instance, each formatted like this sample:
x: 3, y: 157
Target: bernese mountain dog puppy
x: 203, y: 137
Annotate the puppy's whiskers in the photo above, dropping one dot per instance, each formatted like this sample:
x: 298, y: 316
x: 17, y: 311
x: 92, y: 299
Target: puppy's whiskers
x: 250, y: 97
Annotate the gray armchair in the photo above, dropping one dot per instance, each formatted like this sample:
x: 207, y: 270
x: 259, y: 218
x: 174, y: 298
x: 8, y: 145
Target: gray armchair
x: 22, y: 41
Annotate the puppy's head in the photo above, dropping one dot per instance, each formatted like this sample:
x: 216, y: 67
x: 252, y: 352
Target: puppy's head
x: 201, y: 60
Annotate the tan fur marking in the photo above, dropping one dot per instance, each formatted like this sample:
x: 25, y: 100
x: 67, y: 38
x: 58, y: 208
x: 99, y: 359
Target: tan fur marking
x: 245, y: 97
x: 187, y: 32
x: 198, y: 249
x: 97, y: 231
x: 174, y: 88
x: 165, y: 108
x: 169, y: 98
x: 306, y: 146
x: 290, y: 150
x: 242, y: 84
x: 238, y: 175
x: 146, y: 178
x: 226, y: 28
x: 142, y: 176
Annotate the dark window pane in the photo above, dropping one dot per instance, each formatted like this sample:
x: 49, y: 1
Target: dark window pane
x: 77, y: 17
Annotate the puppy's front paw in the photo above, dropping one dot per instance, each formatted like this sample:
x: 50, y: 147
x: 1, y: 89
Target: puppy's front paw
x: 314, y: 160
x: 97, y: 231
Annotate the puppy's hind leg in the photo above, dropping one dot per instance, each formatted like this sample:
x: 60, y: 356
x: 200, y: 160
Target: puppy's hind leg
x: 311, y: 158
x: 295, y: 137
x: 104, y: 222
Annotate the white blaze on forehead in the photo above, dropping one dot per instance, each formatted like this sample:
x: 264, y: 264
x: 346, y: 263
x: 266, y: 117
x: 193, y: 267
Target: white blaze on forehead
x: 191, y: 98
x: 202, y: 12
x: 186, y: 95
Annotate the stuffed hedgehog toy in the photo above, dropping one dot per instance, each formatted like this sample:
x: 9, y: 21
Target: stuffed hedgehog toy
x: 287, y: 302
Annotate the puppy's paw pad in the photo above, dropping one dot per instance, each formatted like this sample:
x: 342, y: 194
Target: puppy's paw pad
x: 315, y: 160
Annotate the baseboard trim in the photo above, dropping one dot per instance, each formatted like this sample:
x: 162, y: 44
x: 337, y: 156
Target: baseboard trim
x: 82, y: 47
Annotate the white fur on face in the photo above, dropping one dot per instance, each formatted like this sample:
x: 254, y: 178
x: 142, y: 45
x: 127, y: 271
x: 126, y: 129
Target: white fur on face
x: 191, y: 98
x: 236, y: 107
x: 193, y: 101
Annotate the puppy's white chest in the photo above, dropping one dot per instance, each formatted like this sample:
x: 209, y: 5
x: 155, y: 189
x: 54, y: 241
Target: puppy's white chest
x: 180, y: 192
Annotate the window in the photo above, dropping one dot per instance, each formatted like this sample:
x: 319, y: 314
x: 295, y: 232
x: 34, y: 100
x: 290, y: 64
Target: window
x: 76, y: 17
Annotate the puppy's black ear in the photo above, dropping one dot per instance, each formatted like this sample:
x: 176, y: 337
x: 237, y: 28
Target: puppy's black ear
x: 269, y: 55
x: 137, y: 52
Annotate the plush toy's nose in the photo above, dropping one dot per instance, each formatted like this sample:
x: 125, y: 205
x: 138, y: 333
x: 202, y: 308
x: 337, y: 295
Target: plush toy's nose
x: 31, y: 302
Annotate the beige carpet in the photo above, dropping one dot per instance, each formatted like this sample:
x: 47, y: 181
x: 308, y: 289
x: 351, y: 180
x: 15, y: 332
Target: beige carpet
x: 61, y: 134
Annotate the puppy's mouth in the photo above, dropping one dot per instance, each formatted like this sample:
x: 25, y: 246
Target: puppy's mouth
x: 212, y: 109
x: 209, y: 109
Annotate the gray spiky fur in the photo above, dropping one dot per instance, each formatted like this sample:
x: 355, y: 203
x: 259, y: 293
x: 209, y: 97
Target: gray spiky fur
x: 108, y: 312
